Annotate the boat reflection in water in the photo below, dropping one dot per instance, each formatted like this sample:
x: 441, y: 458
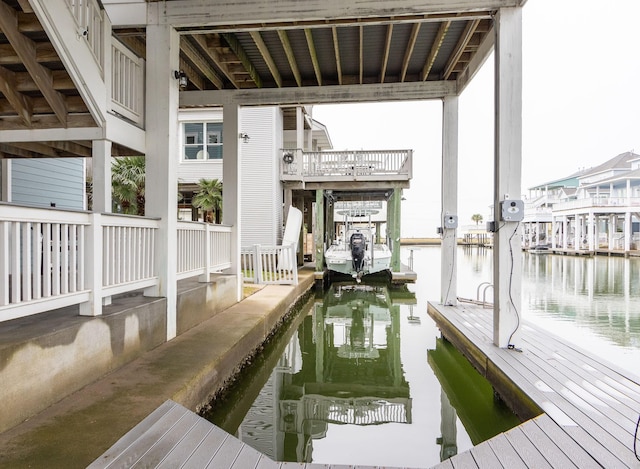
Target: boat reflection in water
x: 344, y: 369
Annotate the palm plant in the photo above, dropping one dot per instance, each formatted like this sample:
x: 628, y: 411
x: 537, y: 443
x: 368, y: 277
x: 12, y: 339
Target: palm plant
x: 209, y: 197
x: 477, y: 218
x: 127, y: 185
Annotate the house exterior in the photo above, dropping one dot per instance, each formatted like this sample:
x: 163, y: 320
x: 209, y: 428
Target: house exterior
x: 594, y: 210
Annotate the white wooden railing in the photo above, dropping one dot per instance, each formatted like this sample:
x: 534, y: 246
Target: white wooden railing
x: 298, y: 165
x: 203, y: 248
x: 90, y: 24
x: 597, y: 202
x: 127, y: 82
x: 270, y: 264
x: 128, y: 246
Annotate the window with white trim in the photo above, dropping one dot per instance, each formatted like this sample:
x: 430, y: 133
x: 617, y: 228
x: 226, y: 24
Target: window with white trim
x: 196, y: 146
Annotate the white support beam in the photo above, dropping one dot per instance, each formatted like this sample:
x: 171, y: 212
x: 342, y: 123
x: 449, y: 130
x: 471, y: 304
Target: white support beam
x: 231, y: 177
x: 507, y: 272
x: 101, y: 167
x: 448, y: 271
x: 161, y: 161
x: 47, y: 135
x: 186, y: 13
x: 322, y: 94
x: 5, y: 180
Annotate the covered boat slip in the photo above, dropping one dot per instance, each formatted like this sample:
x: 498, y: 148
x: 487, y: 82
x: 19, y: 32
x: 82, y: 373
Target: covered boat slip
x: 590, y: 406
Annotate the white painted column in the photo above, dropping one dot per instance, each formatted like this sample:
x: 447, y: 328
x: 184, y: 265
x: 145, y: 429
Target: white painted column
x: 554, y: 227
x: 565, y: 232
x: 576, y: 233
x: 628, y: 228
x: 299, y: 128
x: 231, y: 177
x: 101, y: 174
x: 591, y: 231
x: 612, y: 231
x: 507, y: 272
x: 5, y: 182
x: 628, y: 193
x: 448, y: 271
x: 163, y: 47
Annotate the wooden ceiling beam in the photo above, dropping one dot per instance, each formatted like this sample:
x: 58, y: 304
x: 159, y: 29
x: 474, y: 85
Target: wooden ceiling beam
x: 210, y: 51
x: 200, y: 62
x: 361, y: 53
x: 193, y: 75
x: 266, y: 56
x: 385, y: 54
x: 61, y: 82
x: 288, y: 50
x: 26, y: 50
x: 37, y: 147
x: 13, y: 151
x: 71, y: 148
x: 466, y: 36
x: 241, y: 54
x: 409, y: 50
x: 75, y: 104
x: 47, y: 122
x: 44, y: 53
x: 336, y: 49
x: 24, y: 4
x: 308, y: 34
x: 435, y: 48
x: 20, y: 103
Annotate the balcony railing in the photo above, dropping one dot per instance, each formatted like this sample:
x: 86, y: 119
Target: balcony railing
x: 90, y: 24
x: 590, y: 202
x: 361, y: 165
x: 51, y: 259
x: 127, y: 82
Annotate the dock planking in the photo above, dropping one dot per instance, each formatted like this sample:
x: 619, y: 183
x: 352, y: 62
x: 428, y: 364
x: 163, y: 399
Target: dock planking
x: 591, y: 405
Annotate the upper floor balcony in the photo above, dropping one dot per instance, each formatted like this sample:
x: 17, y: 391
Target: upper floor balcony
x: 346, y: 166
x: 609, y: 203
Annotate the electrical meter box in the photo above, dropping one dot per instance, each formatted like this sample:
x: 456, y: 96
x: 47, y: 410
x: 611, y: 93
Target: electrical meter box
x: 451, y: 221
x: 512, y: 210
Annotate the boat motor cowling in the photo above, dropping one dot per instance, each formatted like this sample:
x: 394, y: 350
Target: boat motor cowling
x: 358, y: 248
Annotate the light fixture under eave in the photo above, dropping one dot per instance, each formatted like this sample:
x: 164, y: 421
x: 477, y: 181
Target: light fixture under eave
x: 182, y: 78
x: 244, y: 136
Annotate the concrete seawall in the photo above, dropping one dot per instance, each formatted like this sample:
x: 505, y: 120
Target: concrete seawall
x: 188, y: 369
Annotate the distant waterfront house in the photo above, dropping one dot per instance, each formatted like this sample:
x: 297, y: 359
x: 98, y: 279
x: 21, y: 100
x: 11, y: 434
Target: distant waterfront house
x: 594, y: 209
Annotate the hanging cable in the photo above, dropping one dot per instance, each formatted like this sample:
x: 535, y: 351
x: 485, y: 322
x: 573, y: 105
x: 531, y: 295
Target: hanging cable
x: 635, y: 440
x: 515, y: 309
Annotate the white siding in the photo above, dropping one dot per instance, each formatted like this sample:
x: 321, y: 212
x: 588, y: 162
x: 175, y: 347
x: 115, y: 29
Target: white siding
x: 45, y: 181
x: 261, y: 190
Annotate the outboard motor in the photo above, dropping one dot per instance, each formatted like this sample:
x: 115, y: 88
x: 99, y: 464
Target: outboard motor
x: 357, y: 246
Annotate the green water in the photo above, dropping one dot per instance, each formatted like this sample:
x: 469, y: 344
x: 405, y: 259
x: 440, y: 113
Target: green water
x: 361, y: 376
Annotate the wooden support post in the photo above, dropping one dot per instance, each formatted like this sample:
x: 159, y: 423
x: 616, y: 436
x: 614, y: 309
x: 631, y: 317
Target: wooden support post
x: 231, y: 177
x: 163, y: 49
x: 448, y: 271
x: 318, y: 235
x: 628, y: 228
x: 101, y: 169
x: 5, y: 180
x: 507, y: 271
x: 393, y: 227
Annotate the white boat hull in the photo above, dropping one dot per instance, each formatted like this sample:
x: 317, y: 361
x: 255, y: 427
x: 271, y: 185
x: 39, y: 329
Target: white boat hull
x: 338, y: 259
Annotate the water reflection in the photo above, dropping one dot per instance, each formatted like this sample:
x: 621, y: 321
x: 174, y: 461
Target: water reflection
x: 340, y: 392
x: 345, y: 369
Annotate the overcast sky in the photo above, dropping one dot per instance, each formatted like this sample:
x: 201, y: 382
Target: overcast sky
x: 581, y: 106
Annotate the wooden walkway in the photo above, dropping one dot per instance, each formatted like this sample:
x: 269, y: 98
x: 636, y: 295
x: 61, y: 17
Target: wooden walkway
x: 590, y: 406
x: 582, y: 411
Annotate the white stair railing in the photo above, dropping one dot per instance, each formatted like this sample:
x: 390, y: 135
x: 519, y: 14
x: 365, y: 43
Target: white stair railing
x: 127, y: 82
x: 90, y: 25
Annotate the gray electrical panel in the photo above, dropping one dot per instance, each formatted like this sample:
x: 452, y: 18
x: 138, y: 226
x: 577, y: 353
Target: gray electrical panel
x: 512, y: 210
x: 451, y: 221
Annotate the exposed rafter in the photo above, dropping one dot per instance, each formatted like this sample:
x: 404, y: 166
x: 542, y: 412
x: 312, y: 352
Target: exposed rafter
x: 288, y: 50
x: 361, y: 53
x: 336, y: 49
x: 435, y: 48
x: 237, y: 49
x: 26, y: 50
x: 314, y: 56
x: 200, y: 62
x: 385, y: 53
x: 71, y: 148
x: 20, y: 103
x: 466, y: 36
x: 211, y: 52
x: 409, y: 50
x: 266, y: 56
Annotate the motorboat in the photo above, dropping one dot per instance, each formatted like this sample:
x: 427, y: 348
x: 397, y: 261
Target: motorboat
x: 539, y: 249
x: 358, y: 255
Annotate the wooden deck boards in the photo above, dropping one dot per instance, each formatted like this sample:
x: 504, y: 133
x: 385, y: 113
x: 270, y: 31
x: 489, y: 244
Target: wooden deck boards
x: 593, y: 405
